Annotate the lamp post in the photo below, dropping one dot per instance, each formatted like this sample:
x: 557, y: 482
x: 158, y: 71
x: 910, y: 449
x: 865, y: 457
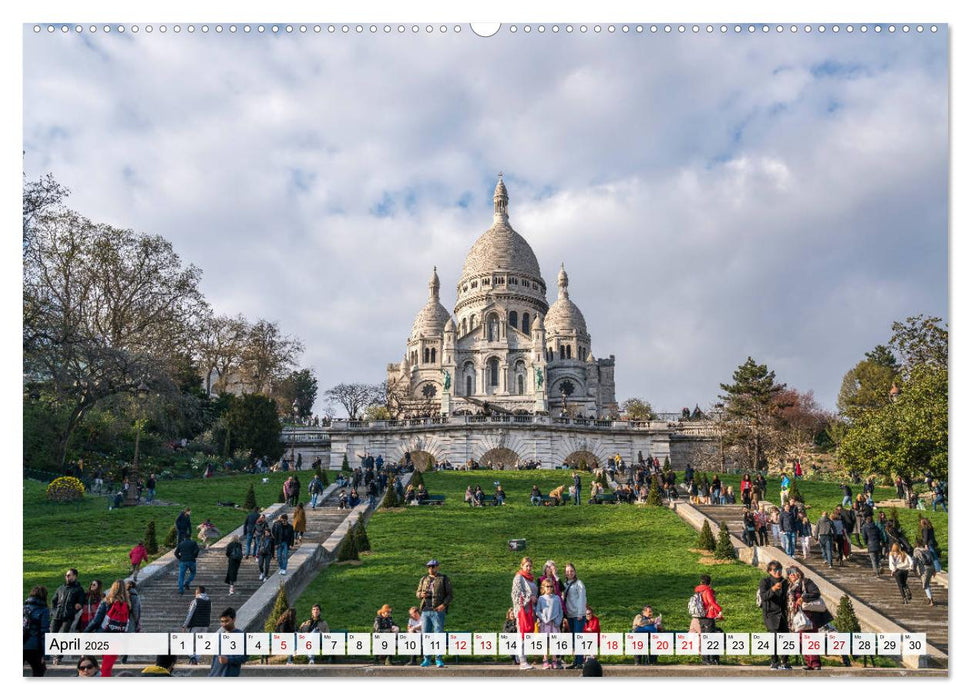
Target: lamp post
x: 131, y: 497
x: 293, y: 437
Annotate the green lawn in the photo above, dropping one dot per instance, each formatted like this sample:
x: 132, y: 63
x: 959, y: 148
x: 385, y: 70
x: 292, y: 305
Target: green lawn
x: 626, y: 555
x: 96, y: 541
x: 826, y: 495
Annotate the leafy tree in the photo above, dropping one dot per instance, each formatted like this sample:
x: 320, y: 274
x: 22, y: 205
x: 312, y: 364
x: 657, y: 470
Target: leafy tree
x: 355, y: 397
x: 104, y: 309
x: 706, y: 540
x: 638, y: 410
x: 299, y: 388
x: 252, y: 423
x: 907, y: 433
x: 750, y: 401
x: 724, y: 549
x: 249, y: 503
x: 867, y: 385
x: 151, y: 540
x: 280, y: 606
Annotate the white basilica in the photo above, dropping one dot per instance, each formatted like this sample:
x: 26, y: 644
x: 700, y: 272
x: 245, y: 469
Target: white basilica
x: 505, y: 349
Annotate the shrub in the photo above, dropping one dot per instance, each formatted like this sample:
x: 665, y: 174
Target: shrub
x: 583, y: 465
x: 417, y: 479
x: 706, y: 540
x: 65, y: 489
x: 667, y: 463
x: 171, y: 538
x: 429, y: 464
x: 361, y: 541
x: 345, y: 465
x: 249, y: 503
x: 390, y: 499
x: 846, y: 620
x: 324, y: 479
x: 724, y: 550
x: 151, y: 541
x: 654, y: 496
x: 347, y: 550
x: 280, y: 606
x: 795, y: 493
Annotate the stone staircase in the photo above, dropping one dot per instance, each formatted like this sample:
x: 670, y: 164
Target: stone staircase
x: 164, y: 610
x: 856, y: 578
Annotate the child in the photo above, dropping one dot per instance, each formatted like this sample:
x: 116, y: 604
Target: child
x: 509, y: 627
x: 414, y: 627
x: 383, y: 624
x: 549, y: 612
x: 208, y: 531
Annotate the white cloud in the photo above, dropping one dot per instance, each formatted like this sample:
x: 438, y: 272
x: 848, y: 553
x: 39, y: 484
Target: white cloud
x: 712, y: 196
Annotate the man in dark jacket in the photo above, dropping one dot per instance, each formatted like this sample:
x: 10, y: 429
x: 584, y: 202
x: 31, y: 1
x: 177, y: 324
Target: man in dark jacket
x: 773, y: 594
x: 226, y: 664
x: 824, y: 533
x: 67, y: 601
x: 435, y: 595
x: 183, y: 525
x: 249, y: 530
x: 848, y: 516
x: 38, y: 619
x: 198, y: 617
x: 873, y: 539
x: 787, y: 524
x: 186, y: 552
x: 283, y: 539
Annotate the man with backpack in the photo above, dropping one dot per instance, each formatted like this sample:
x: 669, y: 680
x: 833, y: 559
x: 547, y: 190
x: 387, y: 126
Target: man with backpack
x: 249, y: 530
x: 772, y: 597
x: 704, y: 608
x: 198, y: 617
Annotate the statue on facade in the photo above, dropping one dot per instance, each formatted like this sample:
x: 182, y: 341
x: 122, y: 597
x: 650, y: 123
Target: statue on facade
x: 539, y: 377
x: 448, y: 380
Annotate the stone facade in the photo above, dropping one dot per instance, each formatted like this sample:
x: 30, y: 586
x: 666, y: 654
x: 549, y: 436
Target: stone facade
x: 505, y: 348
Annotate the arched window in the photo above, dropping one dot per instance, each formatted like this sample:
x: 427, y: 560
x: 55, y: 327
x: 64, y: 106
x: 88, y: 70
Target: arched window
x: 465, y: 326
x: 521, y: 384
x: 569, y: 352
x: 433, y: 355
x: 468, y: 386
x: 493, y: 329
x: 526, y: 324
x: 494, y: 371
x: 562, y: 353
x: 513, y: 319
x: 426, y: 355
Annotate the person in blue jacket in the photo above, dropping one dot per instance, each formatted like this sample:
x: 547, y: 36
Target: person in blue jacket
x: 228, y: 664
x: 37, y: 623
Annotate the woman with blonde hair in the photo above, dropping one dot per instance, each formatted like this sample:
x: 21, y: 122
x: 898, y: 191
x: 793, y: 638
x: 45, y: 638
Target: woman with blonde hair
x: 900, y: 566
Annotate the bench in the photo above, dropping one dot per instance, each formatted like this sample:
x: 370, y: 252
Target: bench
x: 489, y: 501
x: 602, y: 498
x: 432, y: 501
x: 548, y: 501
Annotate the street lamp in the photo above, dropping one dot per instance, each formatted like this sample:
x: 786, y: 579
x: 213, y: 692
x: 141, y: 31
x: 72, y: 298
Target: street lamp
x: 293, y: 436
x: 131, y: 498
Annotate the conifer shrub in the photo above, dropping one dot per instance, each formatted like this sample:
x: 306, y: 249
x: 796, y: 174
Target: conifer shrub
x: 249, y: 502
x: 724, y: 549
x: 706, y: 540
x: 151, y: 541
x: 280, y: 606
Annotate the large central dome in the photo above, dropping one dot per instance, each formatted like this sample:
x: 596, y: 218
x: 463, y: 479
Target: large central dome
x: 501, y: 248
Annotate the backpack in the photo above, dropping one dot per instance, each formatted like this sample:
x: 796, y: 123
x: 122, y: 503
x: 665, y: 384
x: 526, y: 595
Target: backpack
x: 116, y: 619
x: 29, y: 624
x: 696, y: 606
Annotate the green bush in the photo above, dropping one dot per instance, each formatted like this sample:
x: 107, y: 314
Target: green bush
x: 725, y: 550
x: 280, y: 606
x: 171, y: 538
x: 846, y: 620
x: 417, y: 479
x: 795, y: 494
x: 324, y: 479
x: 361, y: 541
x: 654, y: 495
x: 151, y: 541
x: 249, y: 503
x: 347, y: 550
x: 65, y: 489
x: 706, y: 540
x: 667, y: 463
x: 345, y: 465
x: 390, y: 499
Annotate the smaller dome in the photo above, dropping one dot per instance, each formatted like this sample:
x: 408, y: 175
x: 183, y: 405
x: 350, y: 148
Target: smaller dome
x: 431, y: 320
x: 564, y: 315
x: 536, y: 325
x: 450, y: 325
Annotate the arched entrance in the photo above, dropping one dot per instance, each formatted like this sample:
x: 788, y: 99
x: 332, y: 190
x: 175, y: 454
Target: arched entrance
x: 419, y: 458
x: 589, y: 459
x: 499, y: 458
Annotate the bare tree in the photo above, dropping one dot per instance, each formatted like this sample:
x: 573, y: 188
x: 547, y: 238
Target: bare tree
x: 355, y: 397
x: 268, y: 355
x: 219, y: 342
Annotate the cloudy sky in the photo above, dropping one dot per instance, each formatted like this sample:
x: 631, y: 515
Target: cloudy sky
x: 716, y: 196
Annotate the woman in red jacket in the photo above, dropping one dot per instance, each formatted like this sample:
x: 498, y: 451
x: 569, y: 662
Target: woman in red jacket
x: 712, y: 611
x: 592, y: 624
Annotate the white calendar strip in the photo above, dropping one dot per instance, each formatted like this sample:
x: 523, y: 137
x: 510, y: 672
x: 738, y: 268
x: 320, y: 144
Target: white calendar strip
x: 489, y: 644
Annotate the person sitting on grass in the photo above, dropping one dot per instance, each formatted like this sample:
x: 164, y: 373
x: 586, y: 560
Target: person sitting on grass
x: 478, y: 497
x: 557, y: 495
x: 421, y: 493
x: 646, y: 621
x: 535, y: 496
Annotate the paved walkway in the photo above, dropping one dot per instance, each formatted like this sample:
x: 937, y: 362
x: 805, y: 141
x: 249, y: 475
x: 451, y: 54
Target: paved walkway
x: 856, y: 577
x: 164, y: 610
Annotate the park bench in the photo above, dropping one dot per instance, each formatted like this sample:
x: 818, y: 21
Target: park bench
x: 602, y: 498
x: 488, y: 500
x: 547, y: 501
x: 432, y: 501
